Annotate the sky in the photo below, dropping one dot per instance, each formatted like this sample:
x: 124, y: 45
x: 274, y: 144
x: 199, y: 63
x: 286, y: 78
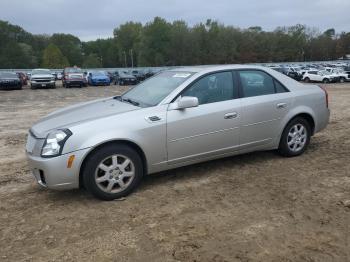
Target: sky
x: 92, y: 19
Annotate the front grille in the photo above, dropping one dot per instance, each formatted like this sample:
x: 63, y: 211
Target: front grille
x: 42, y: 80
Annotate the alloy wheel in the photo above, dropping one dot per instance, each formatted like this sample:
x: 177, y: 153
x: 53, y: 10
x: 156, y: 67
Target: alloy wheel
x: 115, y: 173
x: 297, y: 138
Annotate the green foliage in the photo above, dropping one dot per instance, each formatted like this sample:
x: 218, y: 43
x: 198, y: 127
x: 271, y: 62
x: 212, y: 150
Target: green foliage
x: 53, y: 57
x: 70, y: 46
x: 161, y: 43
x: 92, y: 61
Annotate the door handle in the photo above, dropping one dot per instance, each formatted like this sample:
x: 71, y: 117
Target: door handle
x: 281, y: 105
x: 230, y: 115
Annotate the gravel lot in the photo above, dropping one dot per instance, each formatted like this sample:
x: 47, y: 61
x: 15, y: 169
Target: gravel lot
x: 255, y: 207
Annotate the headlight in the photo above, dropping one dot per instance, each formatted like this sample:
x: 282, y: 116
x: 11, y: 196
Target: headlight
x: 54, y: 142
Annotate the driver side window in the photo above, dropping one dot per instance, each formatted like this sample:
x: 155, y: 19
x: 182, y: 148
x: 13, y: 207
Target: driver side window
x: 212, y: 88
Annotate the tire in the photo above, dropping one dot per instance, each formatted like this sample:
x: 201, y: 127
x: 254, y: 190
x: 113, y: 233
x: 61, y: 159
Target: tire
x: 112, y: 177
x: 67, y: 86
x: 307, y: 80
x: 301, y: 139
x: 342, y: 80
x: 325, y: 81
x: 32, y: 87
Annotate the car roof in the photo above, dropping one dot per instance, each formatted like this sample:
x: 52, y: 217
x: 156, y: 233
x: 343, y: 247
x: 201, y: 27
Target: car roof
x: 198, y: 69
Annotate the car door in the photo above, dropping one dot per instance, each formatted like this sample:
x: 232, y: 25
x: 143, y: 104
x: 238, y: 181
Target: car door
x: 264, y: 102
x: 212, y: 127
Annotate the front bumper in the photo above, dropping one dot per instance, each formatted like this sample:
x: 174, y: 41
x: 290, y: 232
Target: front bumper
x: 75, y: 82
x: 100, y: 82
x: 53, y: 172
x: 43, y: 84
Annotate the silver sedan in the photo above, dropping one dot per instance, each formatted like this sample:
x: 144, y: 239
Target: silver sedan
x: 176, y: 118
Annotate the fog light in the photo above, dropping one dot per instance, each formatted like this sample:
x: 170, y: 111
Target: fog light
x: 70, y: 161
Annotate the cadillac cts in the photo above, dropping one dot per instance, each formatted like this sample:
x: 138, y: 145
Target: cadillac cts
x: 176, y: 118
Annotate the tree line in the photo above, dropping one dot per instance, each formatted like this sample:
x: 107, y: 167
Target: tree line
x: 163, y: 43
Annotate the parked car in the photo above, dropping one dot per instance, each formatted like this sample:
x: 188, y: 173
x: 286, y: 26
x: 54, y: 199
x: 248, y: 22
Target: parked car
x: 42, y: 78
x: 9, y: 81
x: 317, y: 76
x: 125, y: 78
x: 176, y: 118
x: 98, y: 78
x: 292, y: 73
x: 73, y: 76
x: 55, y: 75
x: 140, y: 76
x: 59, y: 76
x: 22, y: 76
x: 334, y: 78
x: 341, y: 75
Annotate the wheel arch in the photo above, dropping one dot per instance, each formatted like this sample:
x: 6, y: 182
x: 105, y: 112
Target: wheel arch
x: 307, y: 116
x: 129, y: 143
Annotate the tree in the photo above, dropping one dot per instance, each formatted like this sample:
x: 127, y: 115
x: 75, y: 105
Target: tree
x: 127, y: 37
x: 70, y: 46
x: 92, y: 61
x: 155, y: 43
x: 53, y: 57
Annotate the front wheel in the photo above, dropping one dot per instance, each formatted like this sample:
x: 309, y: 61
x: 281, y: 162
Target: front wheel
x: 326, y: 81
x: 307, y: 80
x: 342, y: 80
x: 112, y: 172
x: 295, y: 138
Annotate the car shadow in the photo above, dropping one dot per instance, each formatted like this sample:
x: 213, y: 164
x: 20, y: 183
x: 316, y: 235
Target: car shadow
x: 208, y: 168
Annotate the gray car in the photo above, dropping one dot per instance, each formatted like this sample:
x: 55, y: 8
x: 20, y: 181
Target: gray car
x: 176, y: 118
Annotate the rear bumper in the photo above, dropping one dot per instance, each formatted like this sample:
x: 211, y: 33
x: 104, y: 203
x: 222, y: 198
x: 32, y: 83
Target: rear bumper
x: 322, y: 120
x: 53, y: 172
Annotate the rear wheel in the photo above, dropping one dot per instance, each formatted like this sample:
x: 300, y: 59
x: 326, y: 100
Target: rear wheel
x: 326, y: 81
x: 307, y: 80
x: 295, y: 137
x: 112, y: 172
x: 342, y: 80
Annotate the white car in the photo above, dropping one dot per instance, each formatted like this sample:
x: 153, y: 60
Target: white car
x: 317, y: 76
x: 340, y: 74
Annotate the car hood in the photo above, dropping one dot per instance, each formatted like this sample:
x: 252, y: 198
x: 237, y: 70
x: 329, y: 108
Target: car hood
x: 9, y: 78
x: 73, y: 115
x: 42, y: 76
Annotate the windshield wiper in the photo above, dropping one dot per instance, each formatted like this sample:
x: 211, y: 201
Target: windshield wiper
x: 130, y: 101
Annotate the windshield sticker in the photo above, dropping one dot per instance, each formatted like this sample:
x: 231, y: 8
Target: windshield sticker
x: 182, y: 75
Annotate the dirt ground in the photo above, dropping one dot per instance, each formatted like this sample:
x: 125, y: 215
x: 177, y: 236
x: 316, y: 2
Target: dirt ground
x: 255, y: 207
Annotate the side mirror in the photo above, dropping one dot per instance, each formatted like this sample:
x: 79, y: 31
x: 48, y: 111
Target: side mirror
x: 185, y: 102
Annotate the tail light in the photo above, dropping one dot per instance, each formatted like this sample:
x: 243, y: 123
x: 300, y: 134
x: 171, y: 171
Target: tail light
x: 326, y: 93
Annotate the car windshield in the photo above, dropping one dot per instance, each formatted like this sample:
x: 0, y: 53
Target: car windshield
x: 98, y: 74
x: 7, y: 74
x: 74, y: 70
x: 152, y: 91
x: 41, y: 72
